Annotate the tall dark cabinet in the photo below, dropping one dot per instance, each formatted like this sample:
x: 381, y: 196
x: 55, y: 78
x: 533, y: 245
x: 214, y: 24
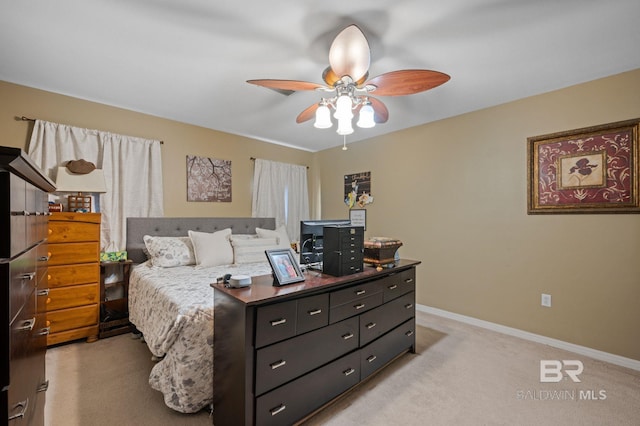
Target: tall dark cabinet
x: 24, y: 216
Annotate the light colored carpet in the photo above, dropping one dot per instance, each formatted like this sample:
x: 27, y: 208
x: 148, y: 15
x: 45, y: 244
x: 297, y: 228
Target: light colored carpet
x: 460, y: 375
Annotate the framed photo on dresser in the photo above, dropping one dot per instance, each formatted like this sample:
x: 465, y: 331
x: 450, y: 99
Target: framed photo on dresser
x: 284, y: 266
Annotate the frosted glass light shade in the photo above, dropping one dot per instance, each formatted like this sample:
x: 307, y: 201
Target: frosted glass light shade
x: 344, y: 126
x: 343, y: 108
x: 323, y: 118
x: 365, y: 119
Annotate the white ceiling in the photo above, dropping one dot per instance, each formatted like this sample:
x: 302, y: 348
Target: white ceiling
x: 188, y: 60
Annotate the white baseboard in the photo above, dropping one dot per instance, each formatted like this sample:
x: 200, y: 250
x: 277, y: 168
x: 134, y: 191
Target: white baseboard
x: 582, y: 350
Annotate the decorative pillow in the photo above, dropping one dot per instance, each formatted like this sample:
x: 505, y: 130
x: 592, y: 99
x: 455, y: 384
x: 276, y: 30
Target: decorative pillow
x: 168, y: 252
x: 252, y: 250
x: 280, y: 233
x: 212, y: 249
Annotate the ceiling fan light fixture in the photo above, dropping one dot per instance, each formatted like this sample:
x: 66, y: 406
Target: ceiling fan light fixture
x: 365, y: 117
x: 323, y: 117
x: 344, y: 126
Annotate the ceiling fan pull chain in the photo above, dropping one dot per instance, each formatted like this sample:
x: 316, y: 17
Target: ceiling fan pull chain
x: 344, y: 142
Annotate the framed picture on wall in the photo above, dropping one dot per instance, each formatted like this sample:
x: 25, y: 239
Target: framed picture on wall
x: 588, y: 170
x: 358, y: 217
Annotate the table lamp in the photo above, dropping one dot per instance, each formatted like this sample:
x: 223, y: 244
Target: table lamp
x: 92, y: 182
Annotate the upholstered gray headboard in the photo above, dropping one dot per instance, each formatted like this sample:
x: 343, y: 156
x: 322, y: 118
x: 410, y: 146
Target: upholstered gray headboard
x: 138, y: 227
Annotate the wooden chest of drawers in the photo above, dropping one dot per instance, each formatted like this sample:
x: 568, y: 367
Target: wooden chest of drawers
x: 74, y: 277
x: 283, y: 352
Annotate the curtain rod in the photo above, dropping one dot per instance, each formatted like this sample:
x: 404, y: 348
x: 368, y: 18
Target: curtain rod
x: 23, y: 118
x: 254, y: 159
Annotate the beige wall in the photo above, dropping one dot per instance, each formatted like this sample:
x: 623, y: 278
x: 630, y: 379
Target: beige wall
x: 454, y: 192
x: 179, y: 139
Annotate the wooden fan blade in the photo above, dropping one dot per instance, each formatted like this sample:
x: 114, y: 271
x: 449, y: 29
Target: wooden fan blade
x: 350, y: 54
x: 307, y: 114
x: 380, y: 111
x: 407, y: 82
x: 294, y: 85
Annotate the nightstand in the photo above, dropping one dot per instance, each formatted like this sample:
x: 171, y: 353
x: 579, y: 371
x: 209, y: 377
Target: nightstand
x: 114, y: 298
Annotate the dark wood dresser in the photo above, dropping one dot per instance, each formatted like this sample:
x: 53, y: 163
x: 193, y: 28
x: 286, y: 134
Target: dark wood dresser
x: 24, y: 215
x: 281, y: 353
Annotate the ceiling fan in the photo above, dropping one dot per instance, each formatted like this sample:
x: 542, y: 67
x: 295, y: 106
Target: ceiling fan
x: 347, y: 89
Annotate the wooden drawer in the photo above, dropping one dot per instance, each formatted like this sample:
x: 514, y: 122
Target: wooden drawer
x: 68, y: 297
x: 383, y: 350
x: 23, y: 281
x: 356, y: 292
x: 67, y: 319
x: 64, y: 254
x: 400, y: 283
x: 287, y: 404
x: 313, y: 313
x: 384, y: 318
x: 275, y: 323
x: 74, y: 227
x: 354, y: 307
x: 65, y: 275
x: 284, y: 361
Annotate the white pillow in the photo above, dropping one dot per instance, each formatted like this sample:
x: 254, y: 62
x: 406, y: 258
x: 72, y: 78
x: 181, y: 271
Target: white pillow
x: 280, y: 233
x: 168, y: 252
x: 252, y: 250
x: 212, y: 249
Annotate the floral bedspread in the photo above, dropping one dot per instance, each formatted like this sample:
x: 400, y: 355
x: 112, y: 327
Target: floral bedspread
x: 173, y: 308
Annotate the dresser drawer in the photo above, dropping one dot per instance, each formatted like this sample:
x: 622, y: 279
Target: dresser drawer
x: 383, y: 350
x: 275, y: 323
x: 68, y: 297
x: 67, y: 319
x: 384, y: 318
x: 284, y: 361
x: 400, y: 283
x: 62, y: 231
x: 65, y: 275
x: 22, y: 271
x: 63, y: 254
x: 287, y: 404
x: 356, y: 292
x: 313, y: 313
x: 355, y: 307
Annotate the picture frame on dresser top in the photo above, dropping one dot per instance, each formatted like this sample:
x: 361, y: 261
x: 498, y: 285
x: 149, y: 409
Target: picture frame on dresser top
x: 284, y: 266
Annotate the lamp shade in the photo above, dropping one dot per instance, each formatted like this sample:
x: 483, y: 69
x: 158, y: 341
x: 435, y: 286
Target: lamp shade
x: 89, y: 182
x: 343, y: 108
x: 323, y: 117
x: 344, y: 126
x: 365, y: 118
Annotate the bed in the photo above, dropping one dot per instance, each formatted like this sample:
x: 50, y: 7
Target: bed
x: 171, y: 301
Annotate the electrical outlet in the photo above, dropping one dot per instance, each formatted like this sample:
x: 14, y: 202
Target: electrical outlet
x: 545, y: 300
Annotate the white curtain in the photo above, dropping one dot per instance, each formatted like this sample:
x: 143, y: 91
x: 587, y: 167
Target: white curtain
x: 132, y: 169
x: 280, y: 190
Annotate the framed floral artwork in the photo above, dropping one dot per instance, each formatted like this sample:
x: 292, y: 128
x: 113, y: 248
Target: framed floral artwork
x: 588, y: 170
x: 208, y: 179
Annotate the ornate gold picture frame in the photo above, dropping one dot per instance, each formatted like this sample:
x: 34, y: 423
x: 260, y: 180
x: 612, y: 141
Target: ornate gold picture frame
x: 588, y: 170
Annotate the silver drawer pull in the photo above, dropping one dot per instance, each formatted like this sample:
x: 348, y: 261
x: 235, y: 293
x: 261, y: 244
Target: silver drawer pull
x: 27, y: 325
x: 372, y: 358
x: 409, y: 305
x: 278, y: 322
x: 370, y: 325
x: 347, y: 336
x: 277, y: 410
x: 393, y: 286
x: 28, y: 276
x: 44, y: 331
x: 315, y: 312
x: 43, y: 387
x: 409, y: 333
x: 360, y: 292
x: 359, y: 306
x: 408, y: 280
x: 23, y: 404
x: 43, y: 258
x: 43, y: 292
x: 352, y: 258
x: 349, y: 371
x: 277, y: 364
